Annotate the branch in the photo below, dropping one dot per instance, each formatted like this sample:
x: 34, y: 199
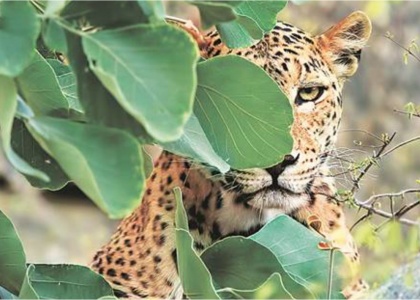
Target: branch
x: 375, y: 157
x: 400, y: 145
x: 389, y: 195
x: 408, y: 50
x: 373, y: 210
x: 406, y: 113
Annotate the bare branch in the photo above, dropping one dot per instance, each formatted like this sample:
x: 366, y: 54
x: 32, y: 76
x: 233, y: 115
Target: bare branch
x: 379, y: 212
x: 407, y: 50
x: 363, y: 131
x: 389, y: 195
x: 400, y: 145
x: 406, y: 208
x: 375, y: 158
x: 364, y: 217
x: 406, y: 113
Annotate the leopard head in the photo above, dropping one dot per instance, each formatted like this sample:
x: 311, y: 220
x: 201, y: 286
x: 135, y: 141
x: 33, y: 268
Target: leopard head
x: 311, y: 72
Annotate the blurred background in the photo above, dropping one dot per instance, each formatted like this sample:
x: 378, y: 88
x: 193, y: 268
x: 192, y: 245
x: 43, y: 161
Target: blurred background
x: 65, y: 226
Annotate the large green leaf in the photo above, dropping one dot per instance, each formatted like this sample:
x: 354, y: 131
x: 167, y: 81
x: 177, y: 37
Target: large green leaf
x: 8, y: 106
x: 214, y: 12
x: 272, y: 288
x: 12, y: 257
x: 63, y: 282
x: 105, y: 163
x: 154, y: 10
x: 194, y: 143
x: 54, y: 36
x: 150, y: 70
x: 195, y: 277
x: 148, y: 165
x: 67, y: 82
x: 254, y: 19
x: 296, y: 247
x: 225, y: 261
x: 39, y: 87
x: 241, y: 33
x: 243, y: 112
x: 26, y: 147
x: 264, y: 13
x: 18, y: 33
x: 103, y: 13
x: 5, y: 294
x: 98, y: 104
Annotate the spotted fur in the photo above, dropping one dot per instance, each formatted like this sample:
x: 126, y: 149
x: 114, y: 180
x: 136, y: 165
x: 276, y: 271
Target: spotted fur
x: 140, y: 259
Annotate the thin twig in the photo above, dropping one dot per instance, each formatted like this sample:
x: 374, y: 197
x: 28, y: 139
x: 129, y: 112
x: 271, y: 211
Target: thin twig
x: 400, y: 145
x: 406, y: 209
x: 330, y: 274
x: 362, y: 131
x: 367, y: 215
x: 376, y: 157
x: 385, y: 214
x: 406, y: 113
x: 404, y: 48
x: 398, y: 194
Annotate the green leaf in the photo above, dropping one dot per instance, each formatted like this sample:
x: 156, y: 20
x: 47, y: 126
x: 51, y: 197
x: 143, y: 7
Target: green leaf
x: 264, y: 13
x: 26, y: 147
x: 53, y: 7
x: 296, y: 247
x: 12, y: 257
x: 54, y: 36
x: 18, y: 33
x: 40, y: 89
x: 225, y: 261
x: 272, y: 288
x: 241, y: 33
x: 181, y: 219
x: 214, y: 12
x: 255, y: 18
x: 248, y: 125
x: 5, y: 294
x: 27, y: 291
x: 98, y: 104
x: 8, y: 106
x: 150, y: 70
x: 105, y: 163
x: 67, y: 82
x: 195, y: 277
x: 102, y: 13
x: 153, y: 9
x: 147, y: 163
x: 194, y: 144
x: 63, y: 282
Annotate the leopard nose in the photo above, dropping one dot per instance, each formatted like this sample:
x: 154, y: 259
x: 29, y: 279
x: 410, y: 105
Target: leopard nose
x: 288, y: 160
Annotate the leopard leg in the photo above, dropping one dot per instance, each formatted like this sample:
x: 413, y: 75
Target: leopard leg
x: 326, y: 216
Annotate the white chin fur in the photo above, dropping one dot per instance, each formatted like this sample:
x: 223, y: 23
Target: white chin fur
x: 279, y: 200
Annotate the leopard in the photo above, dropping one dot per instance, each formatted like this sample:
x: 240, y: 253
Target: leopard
x: 140, y: 260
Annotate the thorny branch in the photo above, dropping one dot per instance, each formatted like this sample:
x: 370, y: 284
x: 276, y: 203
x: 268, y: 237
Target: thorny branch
x: 370, y: 204
x: 417, y: 138
x: 375, y: 158
x: 407, y: 50
x: 407, y: 113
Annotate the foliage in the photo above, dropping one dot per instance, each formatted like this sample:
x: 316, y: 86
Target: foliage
x: 36, y: 281
x: 283, y: 261
x: 133, y: 80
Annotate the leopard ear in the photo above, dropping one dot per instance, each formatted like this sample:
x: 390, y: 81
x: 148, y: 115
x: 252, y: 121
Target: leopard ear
x: 344, y: 42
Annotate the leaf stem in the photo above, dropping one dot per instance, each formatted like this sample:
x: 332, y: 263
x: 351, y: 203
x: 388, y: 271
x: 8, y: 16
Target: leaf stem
x: 330, y: 274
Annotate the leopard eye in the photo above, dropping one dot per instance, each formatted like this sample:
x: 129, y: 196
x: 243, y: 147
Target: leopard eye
x: 310, y: 93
